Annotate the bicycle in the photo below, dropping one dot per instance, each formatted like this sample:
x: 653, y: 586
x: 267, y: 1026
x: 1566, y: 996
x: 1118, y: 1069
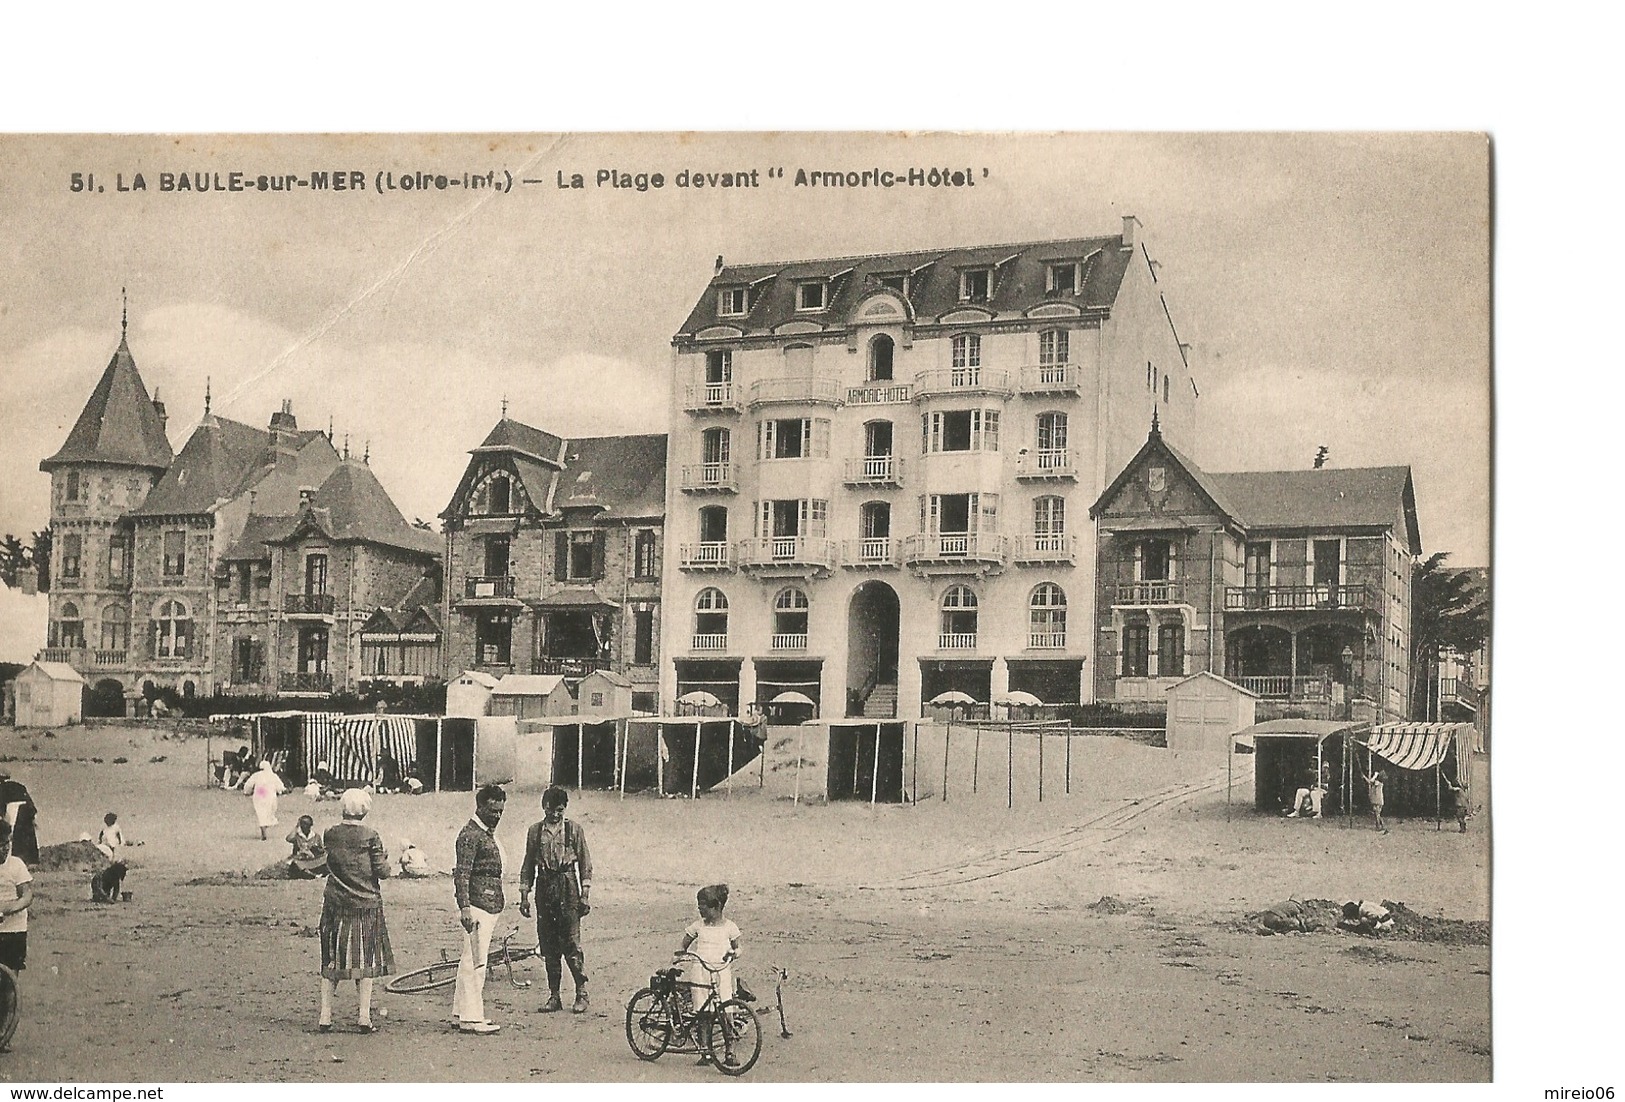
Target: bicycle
x: 660, y: 1019
x: 8, y: 1006
x: 443, y: 973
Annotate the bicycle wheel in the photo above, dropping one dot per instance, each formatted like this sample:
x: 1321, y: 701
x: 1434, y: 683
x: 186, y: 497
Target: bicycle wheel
x: 648, y: 1025
x: 731, y: 1037
x: 8, y: 1005
x: 441, y: 974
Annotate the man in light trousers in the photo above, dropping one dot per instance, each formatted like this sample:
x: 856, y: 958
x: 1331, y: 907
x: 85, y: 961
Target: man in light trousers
x: 477, y: 879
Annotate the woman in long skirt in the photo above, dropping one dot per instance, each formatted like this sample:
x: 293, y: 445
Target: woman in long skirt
x: 264, y: 786
x: 355, y: 941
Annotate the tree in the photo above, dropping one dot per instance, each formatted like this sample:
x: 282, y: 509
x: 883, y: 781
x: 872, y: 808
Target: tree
x: 1449, y: 608
x: 1322, y: 454
x: 42, y: 557
x: 14, y: 559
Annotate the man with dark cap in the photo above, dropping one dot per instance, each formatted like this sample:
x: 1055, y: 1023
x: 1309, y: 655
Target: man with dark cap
x: 558, y: 864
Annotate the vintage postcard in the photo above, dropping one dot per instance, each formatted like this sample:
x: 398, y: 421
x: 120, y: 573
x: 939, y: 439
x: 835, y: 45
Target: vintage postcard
x: 811, y: 607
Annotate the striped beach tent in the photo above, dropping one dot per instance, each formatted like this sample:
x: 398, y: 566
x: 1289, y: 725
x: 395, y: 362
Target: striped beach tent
x: 1413, y: 745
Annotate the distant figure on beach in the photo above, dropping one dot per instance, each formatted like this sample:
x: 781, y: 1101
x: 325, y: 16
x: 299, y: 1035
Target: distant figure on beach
x: 1361, y: 917
x: 111, y: 837
x: 1313, y: 790
x: 1460, y: 799
x: 308, y: 860
x: 263, y: 787
x: 108, y: 884
x: 389, y: 773
x: 1287, y: 917
x: 414, y: 862
x: 1374, y: 782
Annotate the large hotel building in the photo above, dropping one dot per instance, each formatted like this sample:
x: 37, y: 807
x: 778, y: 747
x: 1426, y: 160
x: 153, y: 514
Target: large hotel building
x: 880, y: 470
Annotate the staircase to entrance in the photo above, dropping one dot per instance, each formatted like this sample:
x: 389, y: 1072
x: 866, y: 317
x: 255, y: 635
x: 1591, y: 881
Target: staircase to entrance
x: 881, y: 703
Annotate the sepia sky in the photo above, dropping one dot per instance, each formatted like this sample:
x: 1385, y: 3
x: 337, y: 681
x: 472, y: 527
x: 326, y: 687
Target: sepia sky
x: 1335, y: 287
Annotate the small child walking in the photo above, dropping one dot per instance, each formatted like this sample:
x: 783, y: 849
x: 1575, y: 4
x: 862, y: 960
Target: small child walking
x: 715, y: 940
x: 1374, y: 782
x: 111, y: 836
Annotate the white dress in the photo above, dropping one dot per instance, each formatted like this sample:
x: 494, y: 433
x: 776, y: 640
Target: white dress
x: 712, y: 945
x: 264, y: 787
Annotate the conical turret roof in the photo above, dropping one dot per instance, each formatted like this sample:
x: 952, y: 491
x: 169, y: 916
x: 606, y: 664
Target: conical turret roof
x: 119, y: 424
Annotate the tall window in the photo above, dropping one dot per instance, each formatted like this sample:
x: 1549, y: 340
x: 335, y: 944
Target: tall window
x: 711, y: 613
x: 1051, y: 436
x: 959, y: 513
x: 960, y: 430
x: 245, y: 582
x: 499, y: 495
x: 313, y: 649
x: 791, y: 517
x: 875, y: 518
x: 1171, y: 650
x: 959, y: 612
x: 118, y: 559
x: 793, y: 438
x: 71, y: 551
x: 70, y: 628
x: 315, y: 574
x: 1061, y: 279
x: 881, y: 350
x: 1049, y: 516
x: 966, y: 357
x: 719, y: 366
x: 1328, y: 562
x: 1136, y: 650
x: 1154, y: 560
x: 493, y: 638
x: 731, y: 302
x: 246, y: 661
x: 115, y: 628
x: 715, y: 447
x: 1258, y: 565
x: 644, y: 563
x: 877, y: 438
x: 172, y: 631
x: 578, y: 556
x: 71, y: 488
x: 1053, y: 347
x: 1047, y: 615
x: 790, y: 612
x: 714, y: 524
x: 643, y: 636
x: 174, y: 554
x: 496, y: 556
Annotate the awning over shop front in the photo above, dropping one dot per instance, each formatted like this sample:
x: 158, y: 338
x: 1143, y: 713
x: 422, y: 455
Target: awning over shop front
x: 573, y: 598
x: 1413, y: 745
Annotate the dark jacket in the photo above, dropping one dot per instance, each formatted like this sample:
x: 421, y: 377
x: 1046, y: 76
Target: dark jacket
x: 477, y: 876
x: 575, y: 840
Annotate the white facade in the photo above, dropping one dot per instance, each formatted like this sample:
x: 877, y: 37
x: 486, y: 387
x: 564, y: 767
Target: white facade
x: 869, y: 479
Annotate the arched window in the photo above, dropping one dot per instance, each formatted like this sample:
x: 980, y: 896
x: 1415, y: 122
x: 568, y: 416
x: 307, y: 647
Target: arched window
x: 1047, y: 616
x: 790, y: 619
x: 172, y: 631
x: 881, y: 350
x: 70, y: 628
x: 711, y: 620
x: 958, y: 618
x: 115, y: 628
x: 715, y: 446
x: 498, y: 495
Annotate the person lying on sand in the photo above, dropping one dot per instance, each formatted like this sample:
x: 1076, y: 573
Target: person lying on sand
x: 1360, y: 917
x: 1286, y: 917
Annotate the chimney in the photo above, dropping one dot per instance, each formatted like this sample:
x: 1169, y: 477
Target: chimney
x: 283, y: 426
x: 1129, y: 224
x: 719, y: 264
x: 307, y: 495
x: 158, y: 408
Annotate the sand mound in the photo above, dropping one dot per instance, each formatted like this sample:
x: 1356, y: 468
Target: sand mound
x: 1324, y: 916
x: 83, y: 856
x: 1110, y: 905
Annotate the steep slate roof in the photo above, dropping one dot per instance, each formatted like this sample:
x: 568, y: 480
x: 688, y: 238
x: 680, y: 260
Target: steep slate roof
x: 352, y: 506
x: 414, y: 609
x: 214, y: 464
x: 1355, y: 497
x: 258, y: 532
x: 624, y: 477
x: 1018, y: 282
x: 119, y: 423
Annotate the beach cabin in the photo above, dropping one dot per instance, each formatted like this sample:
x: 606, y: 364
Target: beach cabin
x: 532, y: 696
x: 469, y: 694
x: 604, y: 693
x: 49, y: 694
x: 1204, y: 710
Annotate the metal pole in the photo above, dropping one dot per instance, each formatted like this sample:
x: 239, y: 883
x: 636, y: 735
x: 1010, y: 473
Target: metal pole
x: 1229, y: 776
x: 1069, y: 759
x: 699, y: 729
x: 914, y: 775
x: 947, y: 745
x: 1438, y: 800
x: 728, y: 793
x: 660, y: 757
x: 1041, y: 765
x: 801, y: 735
x: 976, y: 760
x: 439, y: 749
x: 874, y: 772
x: 581, y: 754
x: 1010, y: 767
x: 624, y: 731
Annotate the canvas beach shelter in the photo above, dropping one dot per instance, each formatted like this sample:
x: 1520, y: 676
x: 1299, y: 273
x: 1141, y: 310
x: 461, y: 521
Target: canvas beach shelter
x: 1284, y: 750
x: 49, y: 694
x: 1421, y: 751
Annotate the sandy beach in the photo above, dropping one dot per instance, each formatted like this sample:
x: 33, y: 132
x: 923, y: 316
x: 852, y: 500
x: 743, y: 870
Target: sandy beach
x: 1100, y: 936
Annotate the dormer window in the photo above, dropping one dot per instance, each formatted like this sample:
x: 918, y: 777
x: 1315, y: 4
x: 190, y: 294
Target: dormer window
x: 896, y: 281
x: 732, y: 302
x: 810, y: 296
x: 974, y: 284
x: 1062, y: 278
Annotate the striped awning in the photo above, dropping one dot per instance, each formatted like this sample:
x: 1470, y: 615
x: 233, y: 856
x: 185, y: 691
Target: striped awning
x: 1413, y: 745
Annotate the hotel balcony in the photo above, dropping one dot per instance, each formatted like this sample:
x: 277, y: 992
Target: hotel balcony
x: 962, y: 380
x: 85, y: 658
x: 794, y: 553
x: 1051, y: 379
x: 711, y: 642
x: 305, y: 682
x: 710, y: 478
x: 1047, y: 464
x: 789, y: 641
x: 879, y: 394
x: 567, y: 667
x: 478, y: 587
x: 1047, y: 549
x: 711, y: 398
x: 1046, y: 640
x: 1150, y: 593
x: 705, y: 556
x: 873, y: 552
x: 954, y: 640
x: 1283, y: 687
x: 796, y: 390
x: 1299, y: 598
x: 956, y: 550
x: 874, y: 470
x: 314, y: 606
x: 1459, y: 691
